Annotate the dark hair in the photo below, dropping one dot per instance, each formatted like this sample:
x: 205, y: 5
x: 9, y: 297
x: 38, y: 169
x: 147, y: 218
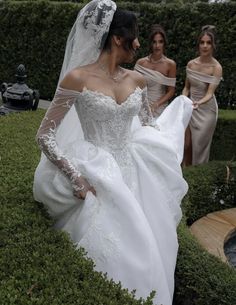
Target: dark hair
x: 157, y: 29
x: 208, y: 30
x: 124, y: 24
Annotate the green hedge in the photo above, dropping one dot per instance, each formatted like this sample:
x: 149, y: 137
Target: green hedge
x: 208, y: 183
x: 34, y: 33
x: 200, y: 278
x: 40, y: 266
x: 224, y: 139
x: 210, y: 189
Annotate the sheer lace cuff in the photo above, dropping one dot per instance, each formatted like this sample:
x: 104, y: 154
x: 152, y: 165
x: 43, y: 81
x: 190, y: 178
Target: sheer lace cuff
x: 145, y: 113
x: 46, y: 135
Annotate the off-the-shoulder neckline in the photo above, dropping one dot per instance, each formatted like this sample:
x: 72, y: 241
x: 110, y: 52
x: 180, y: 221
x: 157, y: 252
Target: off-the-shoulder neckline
x: 155, y: 71
x: 201, y: 73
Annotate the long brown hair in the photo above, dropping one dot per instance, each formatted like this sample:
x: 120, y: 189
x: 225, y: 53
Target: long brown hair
x: 208, y: 30
x: 157, y: 29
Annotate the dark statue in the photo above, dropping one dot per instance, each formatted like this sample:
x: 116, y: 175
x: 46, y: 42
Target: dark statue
x: 18, y: 96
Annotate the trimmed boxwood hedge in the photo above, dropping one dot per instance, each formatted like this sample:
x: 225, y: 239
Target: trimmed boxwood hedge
x: 212, y: 187
x: 201, y: 278
x: 224, y: 139
x: 34, y: 33
x: 39, y: 265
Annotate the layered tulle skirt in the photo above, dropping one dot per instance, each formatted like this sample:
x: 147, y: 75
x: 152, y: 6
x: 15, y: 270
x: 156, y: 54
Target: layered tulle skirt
x: 129, y: 227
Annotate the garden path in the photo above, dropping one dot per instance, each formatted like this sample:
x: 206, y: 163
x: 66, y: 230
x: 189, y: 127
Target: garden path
x: 43, y: 104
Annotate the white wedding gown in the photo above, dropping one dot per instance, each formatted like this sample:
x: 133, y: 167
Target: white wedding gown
x: 129, y: 228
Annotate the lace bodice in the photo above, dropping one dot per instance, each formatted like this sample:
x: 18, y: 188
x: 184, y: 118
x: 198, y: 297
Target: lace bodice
x: 104, y: 122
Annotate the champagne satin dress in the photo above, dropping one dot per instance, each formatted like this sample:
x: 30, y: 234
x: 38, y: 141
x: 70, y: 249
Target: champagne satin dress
x: 204, y: 119
x: 157, y: 84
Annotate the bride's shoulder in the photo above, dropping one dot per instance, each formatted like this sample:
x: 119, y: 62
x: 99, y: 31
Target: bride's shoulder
x: 75, y: 79
x: 137, y: 78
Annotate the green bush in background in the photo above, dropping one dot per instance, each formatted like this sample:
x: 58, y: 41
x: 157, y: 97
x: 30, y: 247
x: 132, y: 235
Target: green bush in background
x: 212, y: 187
x: 34, y: 33
x: 200, y: 278
x: 224, y: 140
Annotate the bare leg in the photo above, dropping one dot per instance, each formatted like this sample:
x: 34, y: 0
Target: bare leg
x: 187, y: 160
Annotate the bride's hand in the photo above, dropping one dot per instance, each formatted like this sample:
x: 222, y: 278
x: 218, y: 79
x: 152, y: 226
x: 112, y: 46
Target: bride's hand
x: 82, y: 187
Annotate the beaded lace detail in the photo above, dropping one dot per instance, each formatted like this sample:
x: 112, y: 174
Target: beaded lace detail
x: 46, y: 135
x: 107, y: 245
x: 105, y: 123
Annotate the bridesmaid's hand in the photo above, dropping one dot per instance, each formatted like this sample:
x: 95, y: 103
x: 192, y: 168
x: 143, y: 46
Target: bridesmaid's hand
x: 154, y: 106
x: 84, y: 186
x: 196, y: 105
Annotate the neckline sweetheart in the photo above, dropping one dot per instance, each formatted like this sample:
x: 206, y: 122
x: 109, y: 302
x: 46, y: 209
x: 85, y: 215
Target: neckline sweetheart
x: 96, y: 92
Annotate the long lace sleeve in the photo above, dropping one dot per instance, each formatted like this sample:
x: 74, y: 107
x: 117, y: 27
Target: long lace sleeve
x: 145, y: 113
x: 46, y: 135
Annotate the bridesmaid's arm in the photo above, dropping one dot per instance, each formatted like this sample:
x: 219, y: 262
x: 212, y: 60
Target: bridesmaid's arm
x: 170, y: 89
x: 209, y: 94
x: 166, y: 97
x: 211, y: 88
x: 186, y: 89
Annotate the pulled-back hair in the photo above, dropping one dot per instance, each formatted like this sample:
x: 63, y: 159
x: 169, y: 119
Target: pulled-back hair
x: 157, y: 29
x: 124, y: 24
x: 208, y: 30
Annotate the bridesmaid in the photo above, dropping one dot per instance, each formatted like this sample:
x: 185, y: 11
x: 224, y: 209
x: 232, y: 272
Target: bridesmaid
x: 203, y: 75
x: 158, y: 70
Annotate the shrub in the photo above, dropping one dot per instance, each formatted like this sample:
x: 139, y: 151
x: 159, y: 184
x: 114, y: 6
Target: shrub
x: 35, y: 32
x: 224, y: 139
x: 212, y: 187
x: 201, y: 278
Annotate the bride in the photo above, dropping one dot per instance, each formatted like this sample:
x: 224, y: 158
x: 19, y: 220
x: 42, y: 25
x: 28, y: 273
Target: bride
x: 109, y: 174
